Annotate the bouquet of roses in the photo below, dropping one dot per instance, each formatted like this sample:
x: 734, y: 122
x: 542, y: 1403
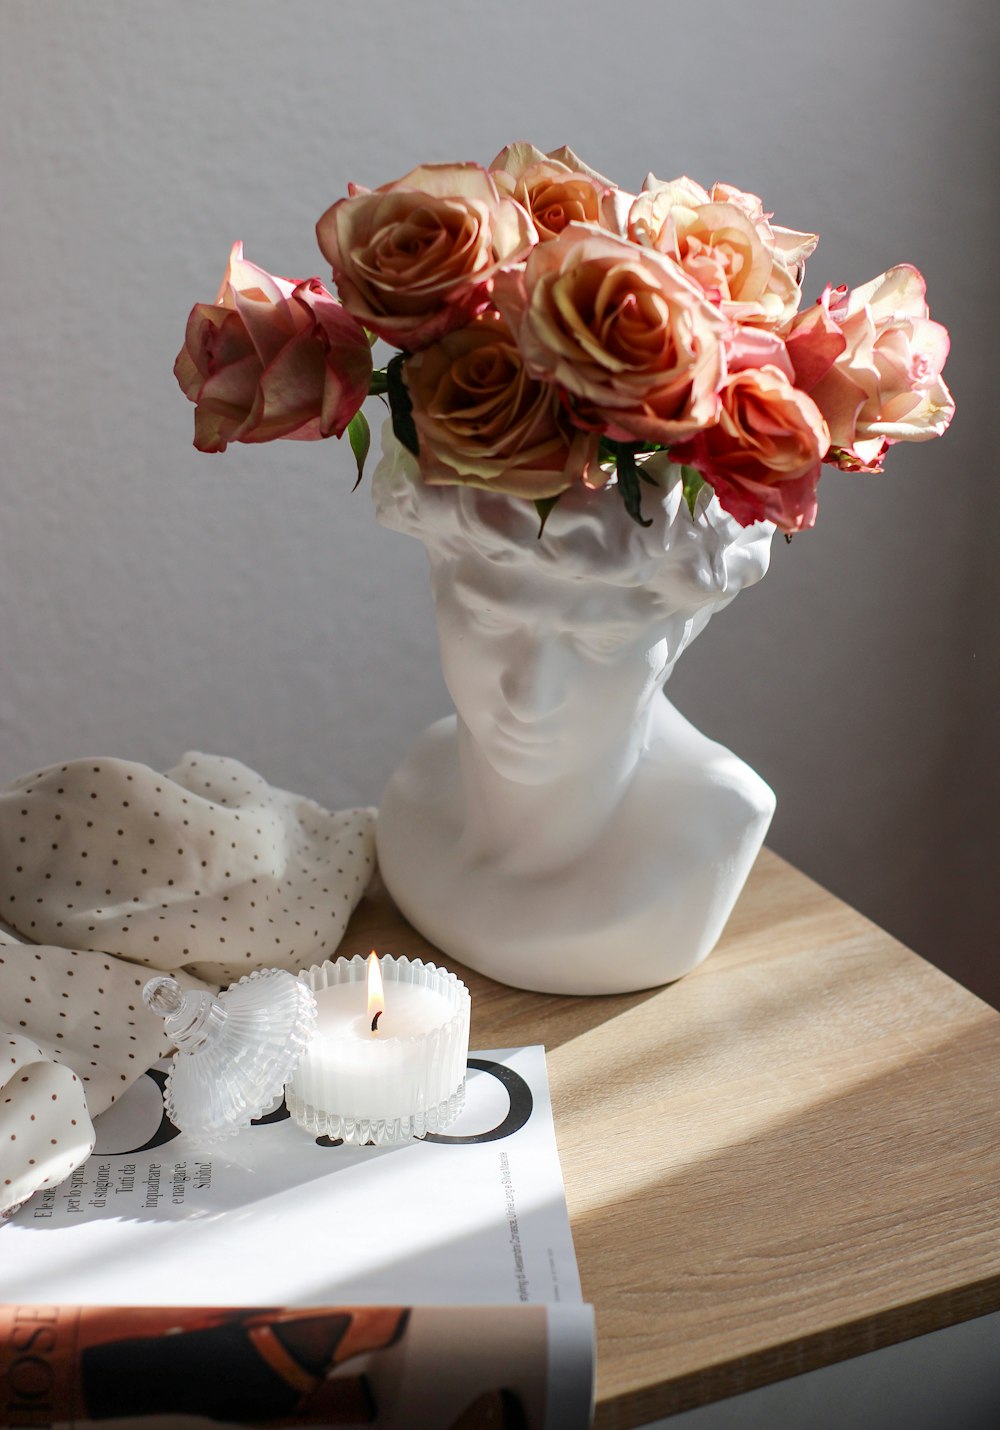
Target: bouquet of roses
x: 552, y: 329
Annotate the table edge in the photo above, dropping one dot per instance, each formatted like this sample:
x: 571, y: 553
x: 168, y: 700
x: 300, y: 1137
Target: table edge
x: 799, y: 1355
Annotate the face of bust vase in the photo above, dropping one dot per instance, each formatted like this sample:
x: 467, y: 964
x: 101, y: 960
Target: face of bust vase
x: 548, y: 675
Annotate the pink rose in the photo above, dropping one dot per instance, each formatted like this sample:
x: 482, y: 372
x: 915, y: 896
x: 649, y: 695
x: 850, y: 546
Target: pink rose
x: 483, y: 421
x: 762, y: 458
x: 417, y: 257
x: 725, y: 243
x: 885, y: 385
x: 622, y: 330
x: 813, y: 340
x: 271, y: 358
x: 558, y: 189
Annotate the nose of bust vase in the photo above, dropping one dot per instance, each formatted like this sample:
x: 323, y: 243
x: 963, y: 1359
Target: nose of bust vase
x: 531, y: 682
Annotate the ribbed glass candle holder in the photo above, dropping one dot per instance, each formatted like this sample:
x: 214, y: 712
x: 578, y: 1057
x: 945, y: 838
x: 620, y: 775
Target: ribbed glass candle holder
x: 401, y: 1079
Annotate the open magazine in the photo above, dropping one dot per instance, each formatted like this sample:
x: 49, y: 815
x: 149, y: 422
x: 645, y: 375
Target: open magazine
x: 285, y: 1280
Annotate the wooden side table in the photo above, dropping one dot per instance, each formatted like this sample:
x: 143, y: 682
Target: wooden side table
x: 789, y: 1157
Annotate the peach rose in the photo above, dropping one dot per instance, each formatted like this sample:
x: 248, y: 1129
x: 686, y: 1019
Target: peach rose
x: 271, y: 358
x: 417, y: 257
x: 558, y: 189
x: 483, y: 421
x: 762, y: 458
x: 725, y: 243
x: 622, y: 330
x: 813, y: 340
x: 885, y: 385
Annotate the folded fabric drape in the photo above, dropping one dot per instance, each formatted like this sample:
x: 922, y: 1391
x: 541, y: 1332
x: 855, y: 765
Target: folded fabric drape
x: 109, y: 871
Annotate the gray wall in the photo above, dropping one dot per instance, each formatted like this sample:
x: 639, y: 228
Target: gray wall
x: 155, y: 599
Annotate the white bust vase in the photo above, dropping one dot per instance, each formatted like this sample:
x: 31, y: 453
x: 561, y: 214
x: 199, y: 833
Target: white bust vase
x: 568, y: 831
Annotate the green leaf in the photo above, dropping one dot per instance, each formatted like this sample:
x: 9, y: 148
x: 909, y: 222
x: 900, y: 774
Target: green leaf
x: 400, y: 404
x: 544, y: 507
x: 628, y: 483
x: 693, y: 483
x: 377, y: 383
x: 361, y: 439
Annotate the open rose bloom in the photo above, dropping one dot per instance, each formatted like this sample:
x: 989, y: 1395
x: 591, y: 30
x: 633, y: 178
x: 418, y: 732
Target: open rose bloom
x: 271, y: 358
x: 551, y: 328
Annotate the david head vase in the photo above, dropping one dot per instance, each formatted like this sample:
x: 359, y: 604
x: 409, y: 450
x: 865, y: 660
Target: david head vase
x: 567, y: 830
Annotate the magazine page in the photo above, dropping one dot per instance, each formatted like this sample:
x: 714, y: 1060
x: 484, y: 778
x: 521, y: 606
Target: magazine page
x: 274, y: 1216
x: 390, y: 1367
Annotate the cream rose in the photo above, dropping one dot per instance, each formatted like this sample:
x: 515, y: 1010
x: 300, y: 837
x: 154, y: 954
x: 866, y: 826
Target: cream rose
x: 725, y: 243
x: 417, y: 257
x: 762, y: 457
x: 483, y: 421
x: 558, y: 189
x: 271, y: 358
x: 886, y: 385
x: 622, y: 330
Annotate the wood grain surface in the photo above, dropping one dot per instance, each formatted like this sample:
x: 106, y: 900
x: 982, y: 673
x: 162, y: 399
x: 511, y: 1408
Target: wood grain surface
x: 789, y: 1157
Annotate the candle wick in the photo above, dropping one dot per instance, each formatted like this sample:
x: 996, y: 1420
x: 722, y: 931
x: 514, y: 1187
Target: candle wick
x: 375, y: 1021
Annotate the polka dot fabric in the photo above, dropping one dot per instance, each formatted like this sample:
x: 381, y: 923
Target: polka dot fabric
x: 110, y: 871
x: 45, y: 1129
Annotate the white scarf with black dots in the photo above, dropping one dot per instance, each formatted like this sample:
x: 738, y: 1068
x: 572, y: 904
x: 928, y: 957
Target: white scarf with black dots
x: 110, y: 871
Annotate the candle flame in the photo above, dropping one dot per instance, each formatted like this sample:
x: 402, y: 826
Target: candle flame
x: 376, y: 997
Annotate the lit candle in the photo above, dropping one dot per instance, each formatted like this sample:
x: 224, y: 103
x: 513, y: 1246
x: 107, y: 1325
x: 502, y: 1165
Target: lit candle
x: 376, y: 990
x: 387, y: 1060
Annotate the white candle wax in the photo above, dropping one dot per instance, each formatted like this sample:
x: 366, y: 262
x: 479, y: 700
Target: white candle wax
x: 402, y: 1080
x: 342, y: 1013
